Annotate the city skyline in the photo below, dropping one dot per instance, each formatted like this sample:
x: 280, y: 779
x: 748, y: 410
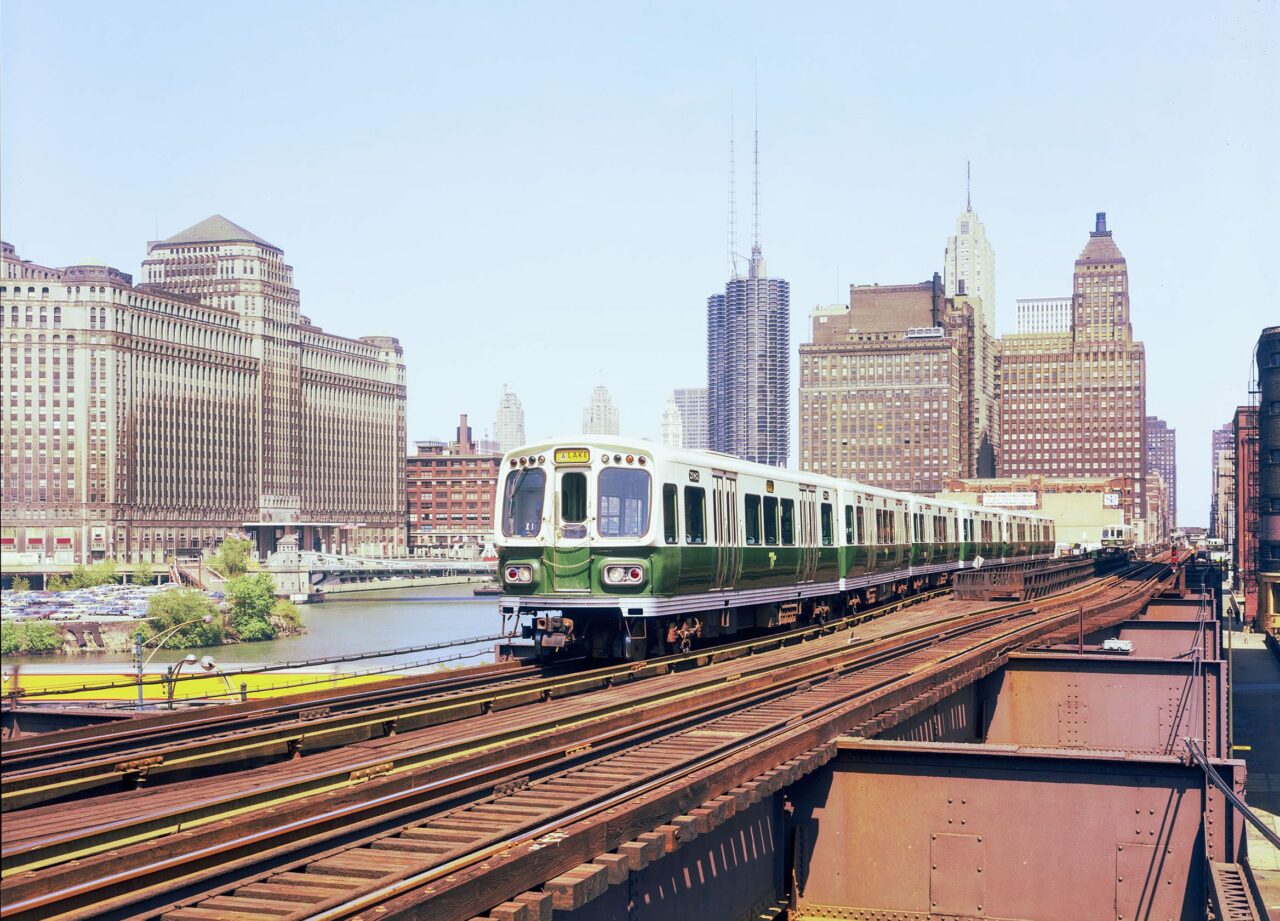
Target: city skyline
x: 834, y: 217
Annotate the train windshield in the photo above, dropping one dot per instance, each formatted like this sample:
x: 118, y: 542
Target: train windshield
x: 522, y: 503
x: 623, y: 509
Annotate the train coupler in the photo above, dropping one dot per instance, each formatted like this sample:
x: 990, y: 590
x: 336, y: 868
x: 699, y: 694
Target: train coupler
x: 553, y: 631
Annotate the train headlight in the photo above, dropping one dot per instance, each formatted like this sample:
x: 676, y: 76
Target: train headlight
x: 624, y: 574
x: 518, y: 575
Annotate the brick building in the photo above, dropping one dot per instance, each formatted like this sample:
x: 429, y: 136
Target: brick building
x: 1267, y: 494
x: 1162, y: 458
x: 887, y: 387
x: 1244, y: 482
x: 1073, y: 404
x: 449, y: 487
x: 1223, y: 447
x: 146, y: 420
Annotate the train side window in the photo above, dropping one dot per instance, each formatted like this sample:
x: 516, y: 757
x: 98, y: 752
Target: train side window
x: 670, y: 515
x: 770, y: 521
x: 695, y: 505
x: 788, y: 522
x: 862, y: 526
x: 828, y: 525
x: 753, y: 520
x: 848, y: 525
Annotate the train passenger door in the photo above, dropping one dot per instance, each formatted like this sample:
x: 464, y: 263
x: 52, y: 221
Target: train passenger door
x: 808, y: 533
x: 724, y: 500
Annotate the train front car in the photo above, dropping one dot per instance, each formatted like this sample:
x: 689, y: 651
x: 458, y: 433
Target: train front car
x: 577, y: 540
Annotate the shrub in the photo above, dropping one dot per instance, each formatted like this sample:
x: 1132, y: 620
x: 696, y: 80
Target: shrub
x: 286, y: 617
x: 232, y: 558
x: 21, y: 584
x: 178, y: 606
x: 37, y: 639
x: 102, y: 573
x: 143, y: 573
x: 251, y: 599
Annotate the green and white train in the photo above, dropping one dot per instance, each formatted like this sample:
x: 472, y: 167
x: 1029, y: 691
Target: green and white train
x: 613, y: 548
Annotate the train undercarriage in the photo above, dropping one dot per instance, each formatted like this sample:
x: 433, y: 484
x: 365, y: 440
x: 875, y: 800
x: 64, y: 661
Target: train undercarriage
x: 537, y: 629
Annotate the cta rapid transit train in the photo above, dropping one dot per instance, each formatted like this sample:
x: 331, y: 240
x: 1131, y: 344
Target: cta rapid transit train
x: 622, y: 549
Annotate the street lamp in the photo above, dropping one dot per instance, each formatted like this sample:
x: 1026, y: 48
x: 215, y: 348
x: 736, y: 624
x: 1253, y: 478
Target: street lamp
x: 171, y: 675
x: 162, y: 639
x: 206, y: 664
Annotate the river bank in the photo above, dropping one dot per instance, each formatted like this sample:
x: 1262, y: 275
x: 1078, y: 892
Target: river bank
x: 356, y: 623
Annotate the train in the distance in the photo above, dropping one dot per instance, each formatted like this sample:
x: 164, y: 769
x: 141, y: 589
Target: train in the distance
x: 614, y: 548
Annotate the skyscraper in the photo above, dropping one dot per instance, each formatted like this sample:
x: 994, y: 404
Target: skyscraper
x: 1073, y: 404
x: 969, y: 271
x: 672, y: 425
x: 1162, y: 445
x: 749, y: 366
x: 692, y: 403
x: 600, y: 416
x: 886, y: 389
x: 749, y: 355
x: 1043, y: 315
x: 1223, y: 444
x: 508, y: 430
x: 970, y: 264
x: 196, y: 404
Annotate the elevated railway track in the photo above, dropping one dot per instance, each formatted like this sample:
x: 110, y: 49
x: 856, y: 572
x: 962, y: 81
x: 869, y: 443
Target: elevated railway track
x: 449, y: 817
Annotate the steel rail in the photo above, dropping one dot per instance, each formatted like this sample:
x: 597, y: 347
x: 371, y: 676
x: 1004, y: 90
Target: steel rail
x: 589, y: 748
x: 936, y: 632
x: 380, y: 896
x: 31, y: 854
x: 289, y: 728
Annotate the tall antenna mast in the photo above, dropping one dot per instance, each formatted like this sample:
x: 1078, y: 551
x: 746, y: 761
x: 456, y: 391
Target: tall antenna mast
x: 755, y: 195
x: 733, y: 206
x: 968, y: 185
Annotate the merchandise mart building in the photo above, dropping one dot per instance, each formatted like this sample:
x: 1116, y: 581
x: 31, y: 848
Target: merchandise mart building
x: 150, y: 421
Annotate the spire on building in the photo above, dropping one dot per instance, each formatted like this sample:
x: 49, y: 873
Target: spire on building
x: 733, y: 203
x: 968, y: 186
x: 755, y: 193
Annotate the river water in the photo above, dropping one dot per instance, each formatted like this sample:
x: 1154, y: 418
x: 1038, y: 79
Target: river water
x: 344, y: 625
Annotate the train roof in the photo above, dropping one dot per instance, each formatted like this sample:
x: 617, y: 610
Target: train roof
x: 706, y: 458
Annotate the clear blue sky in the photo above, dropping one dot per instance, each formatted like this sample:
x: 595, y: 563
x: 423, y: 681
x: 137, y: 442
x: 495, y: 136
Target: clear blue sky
x: 535, y: 193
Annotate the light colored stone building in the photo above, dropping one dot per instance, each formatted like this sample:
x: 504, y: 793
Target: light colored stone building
x: 147, y: 421
x: 508, y: 430
x: 1043, y: 315
x: 672, y: 425
x: 692, y: 403
x: 1080, y: 507
x: 600, y: 417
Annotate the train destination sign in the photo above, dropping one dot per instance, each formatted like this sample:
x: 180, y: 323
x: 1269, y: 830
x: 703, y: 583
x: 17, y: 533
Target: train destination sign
x: 573, y: 456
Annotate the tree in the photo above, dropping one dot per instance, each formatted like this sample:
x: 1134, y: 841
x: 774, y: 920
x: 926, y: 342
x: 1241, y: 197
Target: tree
x: 33, y: 639
x: 144, y: 573
x: 21, y: 584
x: 251, y: 598
x: 55, y: 583
x: 168, y: 609
x: 285, y: 617
x: 232, y: 558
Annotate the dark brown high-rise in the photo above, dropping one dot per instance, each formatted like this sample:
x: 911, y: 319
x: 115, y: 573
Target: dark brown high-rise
x: 1073, y: 404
